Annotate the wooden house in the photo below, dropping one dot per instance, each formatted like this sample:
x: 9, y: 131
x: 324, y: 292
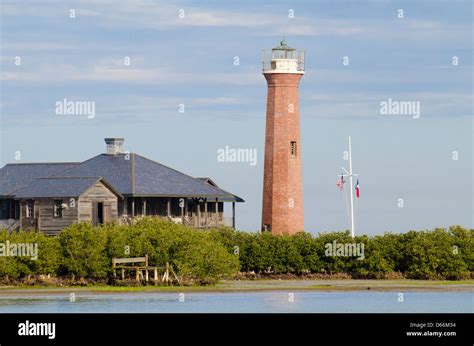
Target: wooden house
x: 112, y: 186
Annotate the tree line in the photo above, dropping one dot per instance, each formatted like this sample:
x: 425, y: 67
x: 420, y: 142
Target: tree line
x: 82, y: 251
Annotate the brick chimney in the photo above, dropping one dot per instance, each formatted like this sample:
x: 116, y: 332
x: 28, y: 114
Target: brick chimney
x: 114, y: 146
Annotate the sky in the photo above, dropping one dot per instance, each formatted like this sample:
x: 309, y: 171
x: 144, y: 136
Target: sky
x: 181, y: 80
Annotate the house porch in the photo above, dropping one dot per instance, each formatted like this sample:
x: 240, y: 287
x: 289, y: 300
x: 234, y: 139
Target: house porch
x: 196, y: 212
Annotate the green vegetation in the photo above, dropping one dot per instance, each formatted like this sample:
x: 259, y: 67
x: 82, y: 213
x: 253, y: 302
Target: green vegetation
x: 85, y: 252
x: 437, y: 254
x: 204, y: 257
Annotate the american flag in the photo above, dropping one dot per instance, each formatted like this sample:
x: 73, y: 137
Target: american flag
x: 340, y: 183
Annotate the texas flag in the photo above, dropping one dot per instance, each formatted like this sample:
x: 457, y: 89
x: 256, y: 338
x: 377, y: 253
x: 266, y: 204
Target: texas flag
x: 357, y: 189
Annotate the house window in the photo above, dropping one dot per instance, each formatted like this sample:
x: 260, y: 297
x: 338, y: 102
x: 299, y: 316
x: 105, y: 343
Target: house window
x: 30, y: 209
x: 293, y: 148
x: 58, y: 209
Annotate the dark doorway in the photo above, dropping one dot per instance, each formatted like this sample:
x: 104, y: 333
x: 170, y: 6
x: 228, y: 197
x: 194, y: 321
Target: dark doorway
x: 97, y: 213
x: 100, y: 213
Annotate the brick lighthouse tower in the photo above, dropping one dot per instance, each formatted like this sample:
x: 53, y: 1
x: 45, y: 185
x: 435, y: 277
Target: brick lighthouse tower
x: 282, y: 211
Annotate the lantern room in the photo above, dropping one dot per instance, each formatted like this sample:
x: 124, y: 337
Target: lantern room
x: 283, y: 59
x: 283, y: 52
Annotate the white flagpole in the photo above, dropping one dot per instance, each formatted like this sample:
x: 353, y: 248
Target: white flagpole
x: 351, y: 187
x: 350, y: 174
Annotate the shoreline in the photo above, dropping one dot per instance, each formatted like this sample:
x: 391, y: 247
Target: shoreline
x: 261, y: 285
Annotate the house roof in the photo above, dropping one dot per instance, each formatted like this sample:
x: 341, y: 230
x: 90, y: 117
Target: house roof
x: 15, y: 176
x: 135, y: 175
x: 125, y: 174
x: 208, y: 180
x: 59, y: 187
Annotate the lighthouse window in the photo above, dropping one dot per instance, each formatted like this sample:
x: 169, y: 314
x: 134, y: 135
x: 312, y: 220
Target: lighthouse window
x: 283, y: 54
x: 293, y: 148
x: 279, y: 54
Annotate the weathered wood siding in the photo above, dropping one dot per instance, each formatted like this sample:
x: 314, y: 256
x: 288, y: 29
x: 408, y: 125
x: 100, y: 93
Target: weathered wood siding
x: 31, y: 222
x: 44, y: 218
x: 78, y: 210
x: 98, y: 193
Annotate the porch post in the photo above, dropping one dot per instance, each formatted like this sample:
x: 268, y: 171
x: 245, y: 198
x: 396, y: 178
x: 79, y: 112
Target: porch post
x: 133, y: 207
x: 205, y: 213
x: 36, y: 211
x: 233, y: 215
x: 144, y: 207
x: 12, y: 210
x: 168, y: 207
x: 21, y: 211
x: 199, y: 213
x: 216, y: 215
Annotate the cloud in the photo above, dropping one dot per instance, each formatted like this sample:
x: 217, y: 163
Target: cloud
x: 45, y: 8
x: 114, y: 70
x: 365, y: 105
x: 263, y: 20
x: 127, y: 108
x: 163, y: 15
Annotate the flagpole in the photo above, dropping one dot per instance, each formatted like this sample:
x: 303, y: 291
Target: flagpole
x: 340, y: 184
x: 351, y: 187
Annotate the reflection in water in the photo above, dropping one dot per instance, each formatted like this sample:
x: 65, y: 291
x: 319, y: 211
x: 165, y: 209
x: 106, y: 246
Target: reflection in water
x: 265, y: 302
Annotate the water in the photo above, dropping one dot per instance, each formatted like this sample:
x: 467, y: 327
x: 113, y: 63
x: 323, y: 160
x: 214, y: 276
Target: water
x: 240, y: 302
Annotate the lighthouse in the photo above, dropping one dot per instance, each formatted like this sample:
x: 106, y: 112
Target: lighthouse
x: 282, y: 210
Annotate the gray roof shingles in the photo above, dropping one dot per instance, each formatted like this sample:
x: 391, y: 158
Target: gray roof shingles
x: 116, y: 169
x: 57, y: 187
x: 153, y: 178
x: 15, y: 176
